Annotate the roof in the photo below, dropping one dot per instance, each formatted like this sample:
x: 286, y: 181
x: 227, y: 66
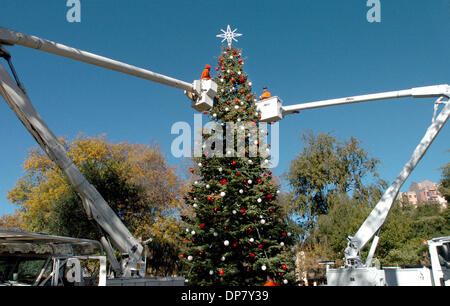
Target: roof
x: 22, y: 242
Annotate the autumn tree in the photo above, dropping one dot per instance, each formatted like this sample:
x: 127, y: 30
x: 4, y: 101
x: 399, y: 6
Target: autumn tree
x: 134, y: 179
x: 10, y: 223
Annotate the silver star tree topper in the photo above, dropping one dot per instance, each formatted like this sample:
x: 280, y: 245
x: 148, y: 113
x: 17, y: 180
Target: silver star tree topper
x: 229, y: 35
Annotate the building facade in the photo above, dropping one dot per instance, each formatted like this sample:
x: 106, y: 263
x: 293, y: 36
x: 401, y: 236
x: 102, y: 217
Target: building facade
x: 422, y: 193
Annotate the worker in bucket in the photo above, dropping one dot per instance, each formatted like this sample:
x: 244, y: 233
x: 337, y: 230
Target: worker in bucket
x: 205, y: 74
x: 265, y: 95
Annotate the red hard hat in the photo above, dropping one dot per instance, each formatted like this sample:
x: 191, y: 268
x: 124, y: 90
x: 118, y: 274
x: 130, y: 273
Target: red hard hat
x: 208, y: 67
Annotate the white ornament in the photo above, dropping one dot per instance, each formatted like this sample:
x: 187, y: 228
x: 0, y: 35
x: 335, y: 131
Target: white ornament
x: 215, y: 234
x: 229, y: 35
x: 250, y: 161
x: 187, y: 230
x: 214, y: 115
x: 195, y: 205
x: 220, y: 169
x: 289, y: 233
x: 223, y: 258
x: 227, y: 109
x: 234, y: 212
x: 282, y: 243
x: 222, y: 194
x: 193, y: 233
x: 226, y: 243
x: 259, y: 200
x: 228, y: 71
x: 278, y: 191
x: 190, y: 258
x: 236, y: 107
x: 231, y: 56
x: 251, y: 240
x: 239, y: 72
x: 211, y: 272
x: 207, y: 186
x: 263, y: 221
x: 285, y: 281
x: 199, y: 164
x: 241, y: 191
x: 263, y: 268
x: 250, y: 181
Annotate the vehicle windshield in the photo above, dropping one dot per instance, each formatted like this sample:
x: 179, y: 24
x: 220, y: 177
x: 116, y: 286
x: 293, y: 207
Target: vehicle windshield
x: 23, y: 270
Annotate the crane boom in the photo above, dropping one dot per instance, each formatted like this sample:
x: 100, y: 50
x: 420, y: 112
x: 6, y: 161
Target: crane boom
x: 11, y: 37
x: 417, y: 92
x: 94, y: 204
x: 377, y: 217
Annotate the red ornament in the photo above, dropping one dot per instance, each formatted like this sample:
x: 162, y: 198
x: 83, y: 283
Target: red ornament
x: 215, y: 209
x: 241, y: 80
x: 252, y: 255
x: 225, y: 227
x: 234, y: 163
x: 260, y: 246
x: 205, y: 112
x: 235, y: 244
x: 233, y: 80
x: 217, y: 68
x: 248, y: 96
x: 250, y: 229
x: 283, y: 234
x: 221, y: 272
x: 192, y: 170
x: 243, y: 210
x: 202, y: 225
x: 240, y: 60
x: 222, y: 59
x: 220, y: 64
x: 238, y: 173
x: 234, y: 52
x: 284, y: 267
x: 271, y: 210
x: 181, y: 255
x: 209, y: 198
x: 259, y: 181
x: 280, y: 274
x: 200, y: 253
x: 223, y: 181
x: 269, y: 196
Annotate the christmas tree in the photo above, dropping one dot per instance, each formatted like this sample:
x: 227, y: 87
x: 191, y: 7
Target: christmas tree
x: 235, y: 232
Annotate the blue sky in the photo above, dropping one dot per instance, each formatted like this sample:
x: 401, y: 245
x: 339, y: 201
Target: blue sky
x: 303, y: 50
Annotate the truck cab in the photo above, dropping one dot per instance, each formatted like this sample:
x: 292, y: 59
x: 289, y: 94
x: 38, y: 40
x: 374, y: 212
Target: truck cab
x: 31, y: 259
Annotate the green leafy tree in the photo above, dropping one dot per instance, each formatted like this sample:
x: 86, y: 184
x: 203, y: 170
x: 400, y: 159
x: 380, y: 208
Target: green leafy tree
x: 326, y: 167
x: 444, y: 187
x: 235, y: 233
